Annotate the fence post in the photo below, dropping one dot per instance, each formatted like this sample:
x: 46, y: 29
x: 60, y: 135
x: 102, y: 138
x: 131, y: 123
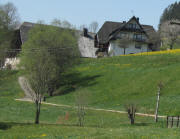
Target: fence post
x: 172, y: 121
x: 167, y: 120
x: 178, y: 122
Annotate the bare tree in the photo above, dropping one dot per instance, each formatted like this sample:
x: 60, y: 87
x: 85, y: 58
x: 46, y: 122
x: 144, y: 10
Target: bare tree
x: 93, y: 27
x: 56, y: 22
x: 123, y: 43
x: 81, y: 102
x: 155, y: 40
x: 160, y: 87
x: 66, y: 24
x: 9, y: 17
x: 131, y: 110
x: 81, y: 27
x: 170, y: 32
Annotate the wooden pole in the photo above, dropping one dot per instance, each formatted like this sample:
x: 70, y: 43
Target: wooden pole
x: 178, y: 122
x: 157, y: 105
x: 167, y: 121
x: 172, y: 121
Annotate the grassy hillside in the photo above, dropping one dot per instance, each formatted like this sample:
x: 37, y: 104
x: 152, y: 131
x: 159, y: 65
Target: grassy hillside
x: 17, y: 118
x: 109, y: 83
x: 113, y: 82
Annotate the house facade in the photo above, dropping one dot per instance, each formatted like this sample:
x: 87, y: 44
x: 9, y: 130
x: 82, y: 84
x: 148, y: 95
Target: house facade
x: 120, y: 38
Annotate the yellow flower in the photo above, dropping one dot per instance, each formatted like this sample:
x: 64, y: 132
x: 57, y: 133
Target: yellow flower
x: 175, y: 51
x: 43, y: 135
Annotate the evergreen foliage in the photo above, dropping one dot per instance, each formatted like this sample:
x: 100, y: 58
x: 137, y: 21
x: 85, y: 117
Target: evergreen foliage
x: 171, y: 12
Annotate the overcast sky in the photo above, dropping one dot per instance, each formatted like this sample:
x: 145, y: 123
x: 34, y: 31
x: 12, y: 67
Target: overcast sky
x: 80, y: 12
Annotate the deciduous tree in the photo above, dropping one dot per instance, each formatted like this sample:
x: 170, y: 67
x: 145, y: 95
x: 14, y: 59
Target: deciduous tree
x: 93, y: 27
x: 48, y: 52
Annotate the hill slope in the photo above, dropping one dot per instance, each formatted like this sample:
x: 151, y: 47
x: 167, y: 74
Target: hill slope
x: 113, y: 82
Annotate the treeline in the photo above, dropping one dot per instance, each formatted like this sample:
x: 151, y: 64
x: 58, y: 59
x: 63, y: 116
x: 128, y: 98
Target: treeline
x: 171, y: 12
x: 170, y: 33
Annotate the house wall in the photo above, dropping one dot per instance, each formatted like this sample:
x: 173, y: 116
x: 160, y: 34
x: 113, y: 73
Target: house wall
x: 115, y: 50
x: 86, y: 47
x: 13, y: 62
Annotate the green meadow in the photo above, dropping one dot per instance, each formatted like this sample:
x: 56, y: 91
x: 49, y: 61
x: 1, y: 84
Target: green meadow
x: 110, y: 83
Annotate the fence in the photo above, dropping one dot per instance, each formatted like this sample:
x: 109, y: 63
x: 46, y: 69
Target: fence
x: 173, y: 121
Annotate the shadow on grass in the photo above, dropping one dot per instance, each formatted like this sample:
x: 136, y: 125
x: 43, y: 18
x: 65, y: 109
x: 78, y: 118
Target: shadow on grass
x: 142, y: 124
x: 8, y: 125
x: 71, y: 82
x: 5, y: 126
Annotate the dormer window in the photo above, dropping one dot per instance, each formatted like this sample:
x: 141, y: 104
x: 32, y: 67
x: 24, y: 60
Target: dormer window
x: 132, y: 26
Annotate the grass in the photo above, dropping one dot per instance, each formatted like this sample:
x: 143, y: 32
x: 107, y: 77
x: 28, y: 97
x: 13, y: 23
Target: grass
x: 109, y: 83
x: 113, y: 82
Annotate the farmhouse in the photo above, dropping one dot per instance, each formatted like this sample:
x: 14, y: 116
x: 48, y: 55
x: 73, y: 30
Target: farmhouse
x: 85, y: 39
x: 119, y: 38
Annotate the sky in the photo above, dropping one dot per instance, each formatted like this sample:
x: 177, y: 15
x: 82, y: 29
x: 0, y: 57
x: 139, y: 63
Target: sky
x: 79, y: 12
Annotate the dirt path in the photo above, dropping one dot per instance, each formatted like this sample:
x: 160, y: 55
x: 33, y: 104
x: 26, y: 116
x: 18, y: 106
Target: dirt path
x: 28, y: 98
x: 26, y: 88
x: 89, y: 108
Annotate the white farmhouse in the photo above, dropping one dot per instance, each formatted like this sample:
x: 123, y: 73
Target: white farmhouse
x: 120, y: 38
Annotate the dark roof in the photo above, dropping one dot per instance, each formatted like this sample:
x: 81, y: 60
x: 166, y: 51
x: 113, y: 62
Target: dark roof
x: 26, y: 26
x: 109, y: 27
x: 24, y: 29
x: 149, y: 30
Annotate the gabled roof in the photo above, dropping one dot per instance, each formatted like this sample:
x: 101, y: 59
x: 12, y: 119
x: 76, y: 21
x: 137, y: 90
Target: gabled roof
x: 85, y: 44
x: 109, y: 28
x: 24, y: 29
x: 27, y: 26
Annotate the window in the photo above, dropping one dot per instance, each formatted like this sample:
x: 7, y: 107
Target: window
x: 138, y: 46
x: 137, y: 37
x: 123, y: 35
x: 132, y: 26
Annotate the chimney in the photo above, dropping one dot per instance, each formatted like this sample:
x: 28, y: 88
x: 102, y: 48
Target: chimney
x: 137, y: 19
x: 85, y: 31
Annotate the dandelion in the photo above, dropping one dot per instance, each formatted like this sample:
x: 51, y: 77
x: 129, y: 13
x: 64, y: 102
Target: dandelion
x: 175, y: 51
x: 43, y: 135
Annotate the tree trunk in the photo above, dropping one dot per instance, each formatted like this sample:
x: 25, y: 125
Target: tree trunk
x: 132, y: 121
x: 171, y: 46
x: 37, y: 112
x: 51, y: 94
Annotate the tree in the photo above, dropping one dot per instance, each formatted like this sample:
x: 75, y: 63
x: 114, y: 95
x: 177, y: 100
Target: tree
x: 170, y: 33
x: 93, y: 27
x: 155, y: 40
x: 131, y: 110
x: 42, y: 72
x: 48, y: 52
x: 123, y: 43
x: 9, y: 20
x: 66, y: 24
x: 81, y: 27
x: 56, y: 22
x: 81, y: 102
x: 171, y: 13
